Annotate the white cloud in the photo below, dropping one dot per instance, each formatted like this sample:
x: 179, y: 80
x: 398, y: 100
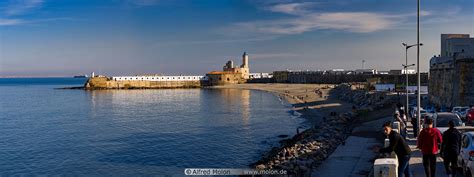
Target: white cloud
x: 15, y: 22
x: 305, y: 20
x: 360, y: 22
x: 10, y: 22
x: 292, y: 8
x: 18, y: 7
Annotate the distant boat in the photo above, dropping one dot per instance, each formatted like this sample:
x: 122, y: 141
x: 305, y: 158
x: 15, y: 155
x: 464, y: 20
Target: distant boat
x: 81, y: 76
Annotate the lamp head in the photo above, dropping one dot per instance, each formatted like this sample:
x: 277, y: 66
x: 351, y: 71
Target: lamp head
x: 404, y: 44
x: 421, y: 44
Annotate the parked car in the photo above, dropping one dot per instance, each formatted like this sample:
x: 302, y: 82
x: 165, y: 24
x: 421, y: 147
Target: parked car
x: 469, y: 168
x: 441, y: 119
x: 466, y: 155
x: 461, y: 111
x: 414, y: 112
x: 459, y: 108
x: 470, y: 116
x: 463, y: 114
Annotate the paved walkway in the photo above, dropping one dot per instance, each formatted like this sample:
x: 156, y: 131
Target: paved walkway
x: 416, y: 164
x: 355, y: 158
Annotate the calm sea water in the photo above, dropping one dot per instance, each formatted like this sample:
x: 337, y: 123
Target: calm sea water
x: 47, y: 131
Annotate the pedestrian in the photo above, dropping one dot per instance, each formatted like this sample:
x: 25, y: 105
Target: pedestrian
x: 427, y: 142
x: 450, y: 148
x: 400, y: 147
x: 414, y: 122
x: 403, y: 127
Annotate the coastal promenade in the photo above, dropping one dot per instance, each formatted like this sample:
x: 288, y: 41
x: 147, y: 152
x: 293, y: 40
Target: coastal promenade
x: 353, y: 155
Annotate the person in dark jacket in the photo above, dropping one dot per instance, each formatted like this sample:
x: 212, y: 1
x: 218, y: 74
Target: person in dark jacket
x: 400, y: 147
x: 450, y: 148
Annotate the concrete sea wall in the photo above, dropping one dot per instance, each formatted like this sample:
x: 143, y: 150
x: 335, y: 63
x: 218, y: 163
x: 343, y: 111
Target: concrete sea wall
x: 97, y: 83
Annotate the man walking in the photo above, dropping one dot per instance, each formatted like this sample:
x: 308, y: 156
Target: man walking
x: 403, y: 127
x: 400, y: 147
x: 450, y: 148
x: 428, y: 143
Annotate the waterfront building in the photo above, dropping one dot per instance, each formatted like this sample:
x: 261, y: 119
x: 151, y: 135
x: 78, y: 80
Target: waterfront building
x: 402, y: 71
x: 260, y: 75
x: 365, y: 71
x: 337, y: 77
x: 455, y: 43
x: 159, y: 78
x: 281, y: 76
x: 451, y: 75
x: 231, y: 74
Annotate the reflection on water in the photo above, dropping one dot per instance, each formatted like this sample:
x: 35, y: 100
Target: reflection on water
x: 135, y: 132
x: 238, y: 97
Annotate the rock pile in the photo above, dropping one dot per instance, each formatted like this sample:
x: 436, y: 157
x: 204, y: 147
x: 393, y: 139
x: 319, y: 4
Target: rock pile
x: 363, y: 99
x: 309, y: 148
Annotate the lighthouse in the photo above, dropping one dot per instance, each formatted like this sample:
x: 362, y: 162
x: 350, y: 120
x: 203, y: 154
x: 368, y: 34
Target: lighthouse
x: 245, y: 60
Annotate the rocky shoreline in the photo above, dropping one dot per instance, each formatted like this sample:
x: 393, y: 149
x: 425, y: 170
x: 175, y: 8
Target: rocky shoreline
x: 308, y: 149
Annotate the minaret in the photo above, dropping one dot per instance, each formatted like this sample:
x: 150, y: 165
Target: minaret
x: 245, y: 60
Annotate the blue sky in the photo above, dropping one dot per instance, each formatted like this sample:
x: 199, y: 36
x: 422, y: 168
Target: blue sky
x: 129, y: 37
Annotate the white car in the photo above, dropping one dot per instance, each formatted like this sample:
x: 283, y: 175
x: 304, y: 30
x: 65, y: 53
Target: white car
x: 414, y: 112
x: 466, y: 156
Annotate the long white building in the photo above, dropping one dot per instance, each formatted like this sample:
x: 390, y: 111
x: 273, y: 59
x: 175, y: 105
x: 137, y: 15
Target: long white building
x: 160, y: 78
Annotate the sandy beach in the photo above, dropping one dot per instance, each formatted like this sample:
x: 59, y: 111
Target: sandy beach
x: 315, y: 97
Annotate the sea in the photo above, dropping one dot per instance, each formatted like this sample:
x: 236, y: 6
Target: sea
x: 62, y: 132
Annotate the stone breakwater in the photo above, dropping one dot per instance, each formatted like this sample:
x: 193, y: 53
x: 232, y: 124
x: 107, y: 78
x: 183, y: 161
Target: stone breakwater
x: 307, y: 150
x: 98, y: 83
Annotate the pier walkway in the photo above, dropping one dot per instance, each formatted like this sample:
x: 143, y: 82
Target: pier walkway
x: 355, y: 157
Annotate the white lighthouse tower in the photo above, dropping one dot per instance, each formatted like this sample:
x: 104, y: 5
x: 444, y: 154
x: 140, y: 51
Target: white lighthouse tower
x: 244, y: 68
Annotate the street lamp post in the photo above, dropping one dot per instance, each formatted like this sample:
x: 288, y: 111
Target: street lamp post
x: 418, y: 64
x: 405, y: 67
x: 406, y: 72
